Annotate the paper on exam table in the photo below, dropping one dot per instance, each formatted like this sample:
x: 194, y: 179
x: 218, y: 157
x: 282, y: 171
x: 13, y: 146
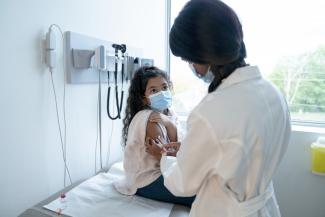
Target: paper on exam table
x: 98, y: 197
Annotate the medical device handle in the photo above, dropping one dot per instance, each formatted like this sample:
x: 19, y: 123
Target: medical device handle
x: 116, y: 47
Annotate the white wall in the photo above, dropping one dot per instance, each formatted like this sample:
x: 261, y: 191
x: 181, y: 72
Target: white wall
x: 30, y: 157
x: 300, y: 193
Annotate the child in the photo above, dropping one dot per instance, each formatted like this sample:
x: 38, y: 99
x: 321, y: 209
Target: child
x: 148, y: 115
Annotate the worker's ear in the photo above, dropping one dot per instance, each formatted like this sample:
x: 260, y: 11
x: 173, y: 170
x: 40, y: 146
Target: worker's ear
x: 145, y: 101
x: 201, y: 69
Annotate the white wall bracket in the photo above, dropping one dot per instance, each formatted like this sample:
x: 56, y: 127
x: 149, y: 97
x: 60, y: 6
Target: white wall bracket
x: 85, y: 46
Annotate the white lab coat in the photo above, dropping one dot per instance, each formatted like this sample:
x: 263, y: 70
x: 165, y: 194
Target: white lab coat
x: 235, y: 139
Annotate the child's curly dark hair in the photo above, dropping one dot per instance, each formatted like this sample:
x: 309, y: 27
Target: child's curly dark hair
x: 135, y: 102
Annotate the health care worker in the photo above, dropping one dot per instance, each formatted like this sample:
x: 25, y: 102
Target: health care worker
x: 238, y: 134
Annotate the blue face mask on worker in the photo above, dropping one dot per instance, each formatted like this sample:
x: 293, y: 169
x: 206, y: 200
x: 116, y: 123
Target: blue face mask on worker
x: 161, y: 100
x: 207, y: 78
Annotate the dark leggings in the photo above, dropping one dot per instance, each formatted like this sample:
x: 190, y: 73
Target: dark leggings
x: 157, y: 191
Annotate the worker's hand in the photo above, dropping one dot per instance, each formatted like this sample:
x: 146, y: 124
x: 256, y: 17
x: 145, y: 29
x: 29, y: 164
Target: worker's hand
x: 172, y: 148
x: 154, y: 147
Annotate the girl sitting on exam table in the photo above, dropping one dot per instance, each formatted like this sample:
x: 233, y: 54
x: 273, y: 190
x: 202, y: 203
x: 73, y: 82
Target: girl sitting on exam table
x: 148, y: 115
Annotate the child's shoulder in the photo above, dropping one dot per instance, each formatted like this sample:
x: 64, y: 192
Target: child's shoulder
x: 139, y: 121
x: 143, y: 115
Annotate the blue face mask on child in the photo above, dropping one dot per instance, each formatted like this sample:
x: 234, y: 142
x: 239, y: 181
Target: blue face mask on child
x: 161, y: 100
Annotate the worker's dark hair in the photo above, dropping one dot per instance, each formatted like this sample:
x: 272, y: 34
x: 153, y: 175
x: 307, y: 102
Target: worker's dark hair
x: 209, y: 32
x: 137, y: 89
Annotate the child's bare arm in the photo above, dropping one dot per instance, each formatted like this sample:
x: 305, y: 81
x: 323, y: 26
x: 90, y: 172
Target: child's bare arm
x: 153, y: 131
x: 171, y: 128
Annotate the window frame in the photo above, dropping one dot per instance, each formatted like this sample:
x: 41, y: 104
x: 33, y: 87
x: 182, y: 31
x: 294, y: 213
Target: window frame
x: 184, y: 115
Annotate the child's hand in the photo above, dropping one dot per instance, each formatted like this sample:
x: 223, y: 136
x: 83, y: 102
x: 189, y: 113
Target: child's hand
x: 154, y: 147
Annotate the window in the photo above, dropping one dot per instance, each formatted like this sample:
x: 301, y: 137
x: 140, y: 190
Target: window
x: 286, y: 39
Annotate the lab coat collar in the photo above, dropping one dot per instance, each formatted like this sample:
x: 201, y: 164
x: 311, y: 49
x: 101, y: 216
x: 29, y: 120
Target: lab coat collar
x: 241, y: 74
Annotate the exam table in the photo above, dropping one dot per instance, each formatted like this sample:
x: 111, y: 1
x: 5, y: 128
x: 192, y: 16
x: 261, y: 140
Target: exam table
x: 39, y: 211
